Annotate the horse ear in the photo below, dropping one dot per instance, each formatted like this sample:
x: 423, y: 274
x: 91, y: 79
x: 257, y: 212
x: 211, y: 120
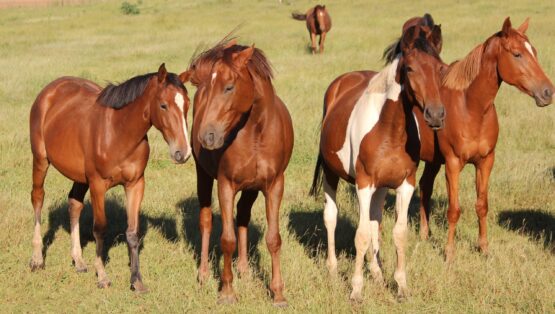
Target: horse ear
x: 185, y: 76
x: 427, y: 20
x: 162, y: 73
x: 524, y: 27
x: 324, y: 7
x: 243, y: 57
x: 407, y: 40
x: 230, y: 43
x: 436, y: 38
x: 506, y: 27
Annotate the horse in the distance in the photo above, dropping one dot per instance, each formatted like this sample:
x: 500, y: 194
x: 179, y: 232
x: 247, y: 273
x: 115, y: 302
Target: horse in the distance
x: 242, y: 137
x: 471, y: 127
x: 318, y: 22
x: 98, y: 139
x: 371, y: 139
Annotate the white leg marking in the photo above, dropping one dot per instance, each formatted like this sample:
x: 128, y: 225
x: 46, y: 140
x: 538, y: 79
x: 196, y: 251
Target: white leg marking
x: 375, y: 206
x: 330, y: 220
x: 404, y: 194
x: 180, y: 101
x: 37, y: 245
x: 362, y: 239
x: 366, y: 113
x: 529, y: 48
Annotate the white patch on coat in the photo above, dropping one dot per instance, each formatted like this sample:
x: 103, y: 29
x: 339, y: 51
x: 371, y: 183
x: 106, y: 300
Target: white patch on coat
x: 529, y: 48
x: 180, y: 101
x: 214, y: 75
x: 366, y: 112
x: 417, y: 126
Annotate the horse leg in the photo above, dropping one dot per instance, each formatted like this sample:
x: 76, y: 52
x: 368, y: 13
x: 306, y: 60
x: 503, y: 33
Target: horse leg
x: 244, y: 207
x: 376, y: 209
x: 134, y: 193
x: 273, y: 239
x: 330, y: 217
x: 426, y: 188
x: 40, y: 167
x: 313, y: 40
x: 226, y: 196
x: 204, y: 193
x: 452, y: 172
x: 362, y: 238
x: 483, y: 171
x: 400, y: 230
x: 75, y: 200
x: 98, y: 189
x: 322, y: 39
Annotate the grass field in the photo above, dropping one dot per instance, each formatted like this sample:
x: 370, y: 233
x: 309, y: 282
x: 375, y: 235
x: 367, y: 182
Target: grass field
x: 98, y: 42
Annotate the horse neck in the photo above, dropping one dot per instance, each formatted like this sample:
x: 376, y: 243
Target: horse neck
x: 128, y: 125
x: 264, y: 101
x: 393, y: 117
x: 482, y: 91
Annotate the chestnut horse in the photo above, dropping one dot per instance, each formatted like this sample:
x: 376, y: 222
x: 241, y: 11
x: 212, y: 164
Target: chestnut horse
x: 98, y: 139
x: 371, y: 139
x: 318, y: 22
x: 471, y: 127
x: 242, y: 136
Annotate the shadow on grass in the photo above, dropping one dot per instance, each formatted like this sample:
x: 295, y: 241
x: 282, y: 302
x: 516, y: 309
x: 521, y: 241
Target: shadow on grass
x: 534, y: 223
x: 190, y: 212
x: 58, y: 217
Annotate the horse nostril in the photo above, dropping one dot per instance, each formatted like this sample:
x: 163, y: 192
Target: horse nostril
x: 441, y: 113
x: 178, y: 156
x: 547, y: 93
x: 427, y: 114
x: 209, y: 138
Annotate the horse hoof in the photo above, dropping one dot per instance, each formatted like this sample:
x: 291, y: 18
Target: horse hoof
x: 139, y: 288
x: 36, y: 265
x: 104, y: 283
x: 402, y: 295
x: 449, y: 255
x: 226, y: 299
x: 280, y: 304
x: 243, y: 271
x: 356, y: 296
x: 424, y: 235
x: 81, y: 267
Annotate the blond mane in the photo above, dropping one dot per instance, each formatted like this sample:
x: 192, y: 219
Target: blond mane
x: 461, y: 73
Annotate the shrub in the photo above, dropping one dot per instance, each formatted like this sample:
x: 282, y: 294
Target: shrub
x: 129, y: 8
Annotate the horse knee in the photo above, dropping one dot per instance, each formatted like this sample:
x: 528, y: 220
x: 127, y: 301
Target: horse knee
x: 481, y: 208
x: 273, y: 242
x: 453, y: 214
x: 228, y: 242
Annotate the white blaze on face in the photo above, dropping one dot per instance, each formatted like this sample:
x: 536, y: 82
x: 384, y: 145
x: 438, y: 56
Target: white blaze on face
x: 417, y: 126
x: 529, y: 48
x: 180, y: 101
x: 214, y: 75
x: 366, y: 112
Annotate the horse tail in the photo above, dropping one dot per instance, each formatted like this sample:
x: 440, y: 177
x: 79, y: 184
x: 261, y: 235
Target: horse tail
x: 298, y: 16
x: 317, y: 180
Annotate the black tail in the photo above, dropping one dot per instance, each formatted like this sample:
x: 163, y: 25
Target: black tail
x: 318, y: 178
x: 298, y: 16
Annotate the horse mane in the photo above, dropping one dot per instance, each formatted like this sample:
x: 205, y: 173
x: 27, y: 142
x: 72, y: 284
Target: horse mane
x: 391, y: 51
x: 202, y: 63
x: 118, y: 96
x: 461, y: 73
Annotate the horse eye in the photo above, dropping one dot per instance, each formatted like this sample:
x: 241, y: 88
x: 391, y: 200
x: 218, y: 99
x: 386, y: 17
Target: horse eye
x: 409, y: 69
x: 164, y: 107
x: 517, y: 54
x: 229, y: 88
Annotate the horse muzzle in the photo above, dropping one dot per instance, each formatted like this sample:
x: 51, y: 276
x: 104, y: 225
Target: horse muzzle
x: 544, y: 97
x: 211, y: 138
x: 435, y: 116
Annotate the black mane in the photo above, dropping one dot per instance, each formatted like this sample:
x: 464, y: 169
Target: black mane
x: 394, y: 48
x: 120, y: 95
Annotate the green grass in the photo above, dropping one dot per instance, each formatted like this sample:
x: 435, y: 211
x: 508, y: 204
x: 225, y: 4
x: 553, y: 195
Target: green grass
x: 96, y: 41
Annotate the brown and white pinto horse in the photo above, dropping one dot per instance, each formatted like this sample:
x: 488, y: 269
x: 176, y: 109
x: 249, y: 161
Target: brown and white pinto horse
x: 318, y: 22
x: 471, y: 126
x: 242, y: 136
x: 98, y: 139
x: 370, y: 138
